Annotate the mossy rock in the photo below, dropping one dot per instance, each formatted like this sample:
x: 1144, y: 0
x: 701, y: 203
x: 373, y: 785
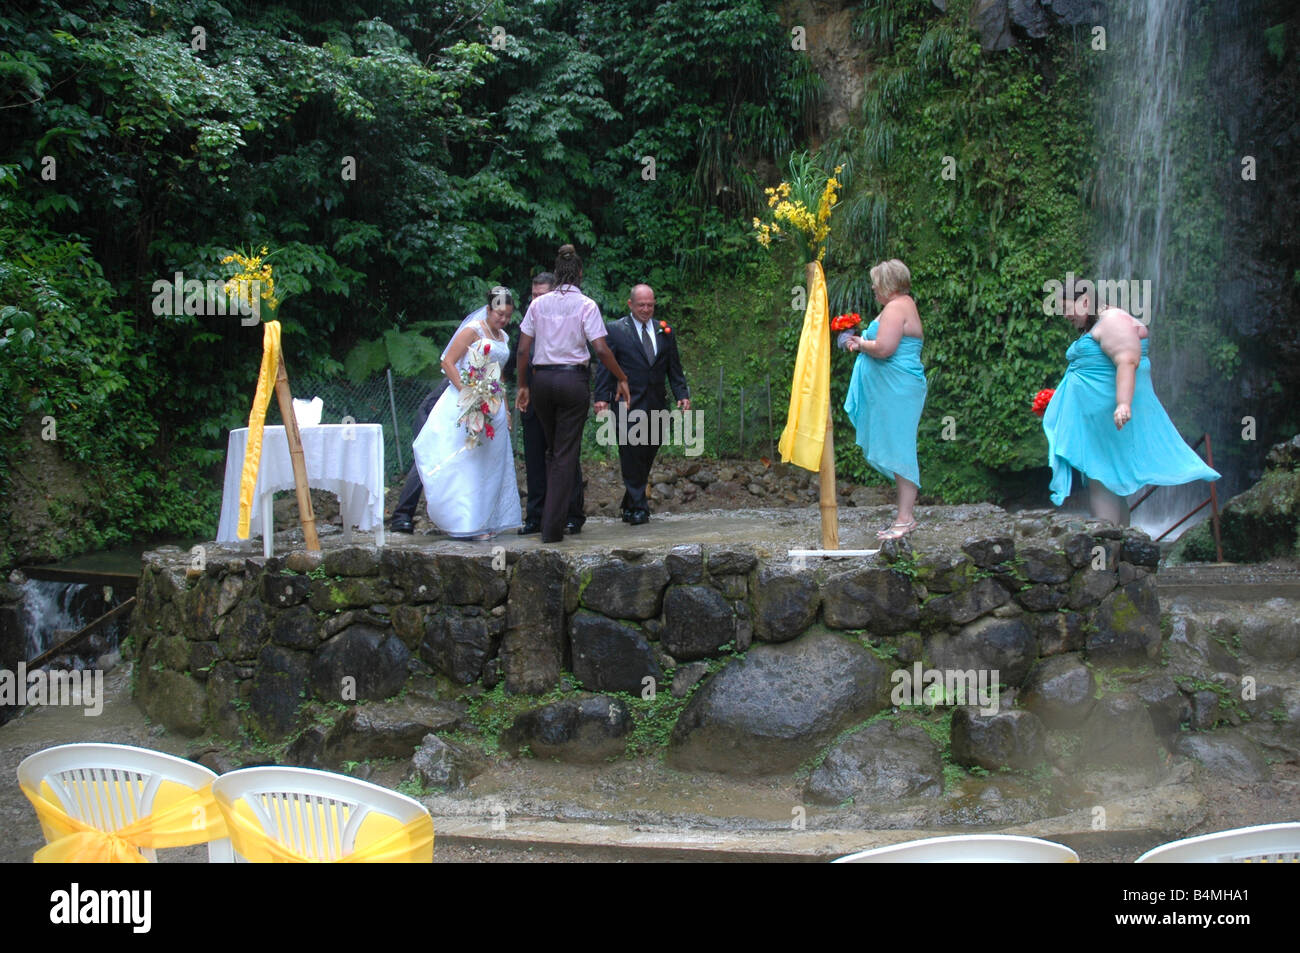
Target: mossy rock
x: 1259, y: 524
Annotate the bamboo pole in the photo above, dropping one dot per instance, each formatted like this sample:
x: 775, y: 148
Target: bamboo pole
x: 830, y: 508
x: 305, y: 513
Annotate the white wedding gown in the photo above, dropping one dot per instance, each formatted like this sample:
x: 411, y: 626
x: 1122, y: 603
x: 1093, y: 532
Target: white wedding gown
x: 469, y: 491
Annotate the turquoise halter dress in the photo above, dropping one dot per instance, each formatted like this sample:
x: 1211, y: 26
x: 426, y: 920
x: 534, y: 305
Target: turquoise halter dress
x: 1080, y: 427
x: 884, y: 402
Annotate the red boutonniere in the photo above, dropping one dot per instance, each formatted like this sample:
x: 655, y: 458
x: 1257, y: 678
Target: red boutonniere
x: 1041, y: 400
x: 844, y: 322
x: 663, y: 326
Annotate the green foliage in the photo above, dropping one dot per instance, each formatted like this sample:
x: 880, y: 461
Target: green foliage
x: 1276, y: 38
x: 414, y: 787
x: 653, y: 720
x: 410, y: 353
x: 738, y: 328
x: 472, y: 162
x: 980, y: 242
x: 398, y: 162
x: 72, y: 363
x: 1229, y: 701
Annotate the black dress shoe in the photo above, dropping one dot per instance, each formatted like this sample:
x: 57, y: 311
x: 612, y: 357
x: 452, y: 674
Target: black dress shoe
x: 639, y: 517
x: 572, y: 528
x: 401, y: 523
x: 529, y: 528
x: 627, y: 515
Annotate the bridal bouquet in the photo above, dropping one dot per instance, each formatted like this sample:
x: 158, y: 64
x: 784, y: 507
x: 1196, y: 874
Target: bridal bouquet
x: 1041, y: 400
x: 481, y: 393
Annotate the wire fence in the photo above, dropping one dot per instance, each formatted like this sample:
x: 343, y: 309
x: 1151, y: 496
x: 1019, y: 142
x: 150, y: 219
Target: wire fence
x: 745, y: 418
x: 737, y: 419
x: 385, y: 399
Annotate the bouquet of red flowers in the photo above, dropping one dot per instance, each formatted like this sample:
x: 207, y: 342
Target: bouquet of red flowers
x: 845, y: 322
x: 1041, y: 400
x: 481, y: 394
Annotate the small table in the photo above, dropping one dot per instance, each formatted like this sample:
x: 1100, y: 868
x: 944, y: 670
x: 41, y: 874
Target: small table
x: 345, y: 459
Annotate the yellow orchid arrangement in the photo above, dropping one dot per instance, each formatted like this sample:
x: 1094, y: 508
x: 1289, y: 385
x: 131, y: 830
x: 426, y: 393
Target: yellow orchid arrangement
x: 792, y: 203
x: 254, y: 280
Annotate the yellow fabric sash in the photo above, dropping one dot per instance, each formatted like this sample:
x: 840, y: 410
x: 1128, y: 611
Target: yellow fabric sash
x: 410, y: 843
x: 191, y: 818
x: 256, y: 420
x: 810, y: 392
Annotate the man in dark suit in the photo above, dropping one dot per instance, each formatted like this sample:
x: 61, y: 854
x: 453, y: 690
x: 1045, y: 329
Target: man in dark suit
x: 535, y: 440
x: 647, y: 351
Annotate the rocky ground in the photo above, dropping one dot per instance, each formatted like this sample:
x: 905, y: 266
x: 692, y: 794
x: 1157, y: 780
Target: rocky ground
x: 529, y: 809
x: 1232, y: 763
x: 639, y: 809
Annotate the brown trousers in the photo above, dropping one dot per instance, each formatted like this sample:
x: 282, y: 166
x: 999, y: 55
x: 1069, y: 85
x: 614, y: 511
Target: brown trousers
x: 561, y: 397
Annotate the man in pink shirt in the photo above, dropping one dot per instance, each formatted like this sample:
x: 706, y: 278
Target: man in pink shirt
x: 559, y: 325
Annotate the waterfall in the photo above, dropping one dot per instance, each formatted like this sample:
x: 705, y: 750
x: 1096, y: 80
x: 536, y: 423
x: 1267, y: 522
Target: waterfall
x: 47, y: 608
x: 1156, y: 131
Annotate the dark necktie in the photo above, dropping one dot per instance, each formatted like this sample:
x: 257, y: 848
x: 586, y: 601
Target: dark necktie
x: 646, y: 345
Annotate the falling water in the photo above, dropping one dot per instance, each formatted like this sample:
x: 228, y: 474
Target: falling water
x: 47, y: 608
x: 1148, y: 95
x: 1137, y: 177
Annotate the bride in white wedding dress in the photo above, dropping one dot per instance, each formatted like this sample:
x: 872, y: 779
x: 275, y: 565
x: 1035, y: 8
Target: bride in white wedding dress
x: 471, y: 489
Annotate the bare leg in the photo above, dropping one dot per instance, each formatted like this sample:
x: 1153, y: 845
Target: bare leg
x: 1106, y: 505
x: 906, y: 498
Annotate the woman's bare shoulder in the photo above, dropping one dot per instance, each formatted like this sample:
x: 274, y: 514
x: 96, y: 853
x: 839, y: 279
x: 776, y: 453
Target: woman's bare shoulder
x: 1119, y: 323
x: 906, y: 312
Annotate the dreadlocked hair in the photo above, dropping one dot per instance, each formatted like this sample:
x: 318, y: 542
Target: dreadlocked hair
x: 568, y: 266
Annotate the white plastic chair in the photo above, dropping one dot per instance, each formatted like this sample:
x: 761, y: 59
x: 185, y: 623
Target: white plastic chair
x: 967, y: 849
x: 1265, y: 844
x: 316, y: 814
x: 111, y: 786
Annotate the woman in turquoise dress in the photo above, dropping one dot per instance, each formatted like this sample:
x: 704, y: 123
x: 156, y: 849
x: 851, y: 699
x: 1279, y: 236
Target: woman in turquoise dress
x: 887, y: 391
x: 1105, y: 420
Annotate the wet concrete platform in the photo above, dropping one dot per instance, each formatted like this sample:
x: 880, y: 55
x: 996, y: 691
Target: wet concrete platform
x: 771, y: 532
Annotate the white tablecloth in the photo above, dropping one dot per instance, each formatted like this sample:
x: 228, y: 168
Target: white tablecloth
x: 345, y: 459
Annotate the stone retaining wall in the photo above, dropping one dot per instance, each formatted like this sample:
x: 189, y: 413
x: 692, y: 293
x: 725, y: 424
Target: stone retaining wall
x: 776, y: 658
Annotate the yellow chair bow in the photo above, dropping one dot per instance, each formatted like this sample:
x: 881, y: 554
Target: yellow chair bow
x: 378, y: 841
x: 188, y: 818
